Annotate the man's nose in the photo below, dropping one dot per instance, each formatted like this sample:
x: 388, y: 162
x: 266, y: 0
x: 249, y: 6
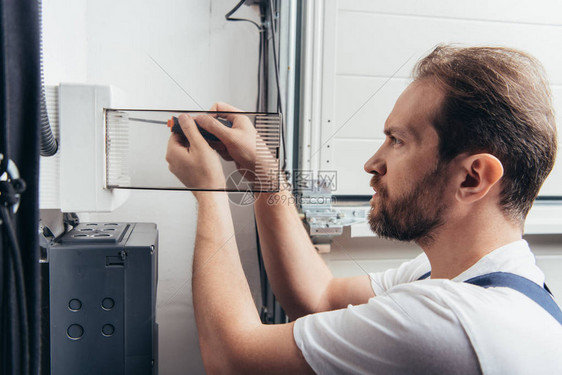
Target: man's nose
x: 375, y: 165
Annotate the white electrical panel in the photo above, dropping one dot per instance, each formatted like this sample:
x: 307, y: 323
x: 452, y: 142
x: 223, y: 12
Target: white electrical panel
x: 73, y: 180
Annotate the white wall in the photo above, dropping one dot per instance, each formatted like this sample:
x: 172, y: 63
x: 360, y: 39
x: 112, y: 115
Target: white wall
x: 109, y: 42
x: 375, y: 44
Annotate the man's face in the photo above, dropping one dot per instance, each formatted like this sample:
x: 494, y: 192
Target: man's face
x: 409, y: 182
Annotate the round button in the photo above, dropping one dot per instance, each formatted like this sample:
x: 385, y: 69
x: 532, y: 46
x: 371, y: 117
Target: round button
x: 75, y: 331
x: 107, y: 303
x: 74, y: 304
x: 108, y: 330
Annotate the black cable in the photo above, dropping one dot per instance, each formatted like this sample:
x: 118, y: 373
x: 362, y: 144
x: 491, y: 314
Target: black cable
x: 233, y: 10
x: 17, y: 266
x: 275, y: 60
x: 5, y: 305
x: 263, y: 276
x: 260, y: 54
x: 279, y: 103
x: 264, y: 68
x: 5, y: 152
x: 5, y: 142
x: 228, y: 17
x: 49, y: 144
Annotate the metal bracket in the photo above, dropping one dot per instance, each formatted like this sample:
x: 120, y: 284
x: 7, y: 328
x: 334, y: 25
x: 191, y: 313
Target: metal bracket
x: 323, y: 220
x: 46, y: 239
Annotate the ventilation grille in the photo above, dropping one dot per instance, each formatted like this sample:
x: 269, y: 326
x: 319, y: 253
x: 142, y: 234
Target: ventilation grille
x: 268, y: 146
x: 117, y: 149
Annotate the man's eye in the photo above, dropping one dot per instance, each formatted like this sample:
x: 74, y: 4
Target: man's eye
x: 394, y: 140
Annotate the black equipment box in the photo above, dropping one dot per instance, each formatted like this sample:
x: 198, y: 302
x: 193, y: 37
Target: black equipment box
x: 103, y: 279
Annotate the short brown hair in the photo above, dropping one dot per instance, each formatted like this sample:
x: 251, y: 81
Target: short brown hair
x: 497, y: 100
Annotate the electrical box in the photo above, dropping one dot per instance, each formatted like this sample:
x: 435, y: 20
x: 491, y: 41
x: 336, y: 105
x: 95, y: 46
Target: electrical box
x: 103, y: 279
x: 73, y: 180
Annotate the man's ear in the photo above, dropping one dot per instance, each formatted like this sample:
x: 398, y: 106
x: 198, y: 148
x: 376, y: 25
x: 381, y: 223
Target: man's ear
x: 480, y: 172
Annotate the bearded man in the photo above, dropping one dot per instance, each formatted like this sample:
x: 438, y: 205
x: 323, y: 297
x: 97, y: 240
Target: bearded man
x: 468, y: 145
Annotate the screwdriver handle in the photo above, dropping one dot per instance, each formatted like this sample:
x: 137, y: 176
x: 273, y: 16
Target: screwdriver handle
x: 175, y: 127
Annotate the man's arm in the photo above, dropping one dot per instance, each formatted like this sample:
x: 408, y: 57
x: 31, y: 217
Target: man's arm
x: 300, y: 278
x: 231, y: 336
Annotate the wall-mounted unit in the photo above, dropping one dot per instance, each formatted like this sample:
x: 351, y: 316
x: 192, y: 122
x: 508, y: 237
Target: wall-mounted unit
x: 73, y: 180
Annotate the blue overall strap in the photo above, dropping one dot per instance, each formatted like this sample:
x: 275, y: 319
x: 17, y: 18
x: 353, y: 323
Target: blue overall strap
x: 427, y: 274
x: 522, y: 285
x: 541, y: 296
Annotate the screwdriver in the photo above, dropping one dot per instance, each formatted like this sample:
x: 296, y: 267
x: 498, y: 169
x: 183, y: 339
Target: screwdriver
x: 175, y: 127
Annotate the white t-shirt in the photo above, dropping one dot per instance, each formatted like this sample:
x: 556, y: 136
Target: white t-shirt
x: 438, y: 326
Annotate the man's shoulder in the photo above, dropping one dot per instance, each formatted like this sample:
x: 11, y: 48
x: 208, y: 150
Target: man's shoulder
x: 482, y: 312
x: 406, y: 272
x: 470, y: 304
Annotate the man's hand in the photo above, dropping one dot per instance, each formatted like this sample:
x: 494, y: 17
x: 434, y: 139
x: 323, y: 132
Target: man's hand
x: 239, y: 141
x: 243, y: 144
x: 195, y: 164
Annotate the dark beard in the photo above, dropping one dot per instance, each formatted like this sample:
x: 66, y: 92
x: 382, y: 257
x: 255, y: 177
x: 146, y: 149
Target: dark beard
x: 413, y: 217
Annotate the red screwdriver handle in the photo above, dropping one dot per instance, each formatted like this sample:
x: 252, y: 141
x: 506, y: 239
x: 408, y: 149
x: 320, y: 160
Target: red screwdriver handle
x: 175, y: 127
